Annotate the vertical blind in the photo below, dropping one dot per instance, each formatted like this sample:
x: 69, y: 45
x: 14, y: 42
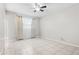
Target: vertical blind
x: 27, y: 27
x: 27, y: 22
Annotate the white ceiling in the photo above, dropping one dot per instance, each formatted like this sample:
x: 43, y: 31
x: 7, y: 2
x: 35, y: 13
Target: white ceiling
x: 27, y: 8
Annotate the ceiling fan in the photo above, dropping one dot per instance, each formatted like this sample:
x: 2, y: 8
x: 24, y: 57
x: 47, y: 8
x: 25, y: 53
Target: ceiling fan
x: 39, y: 7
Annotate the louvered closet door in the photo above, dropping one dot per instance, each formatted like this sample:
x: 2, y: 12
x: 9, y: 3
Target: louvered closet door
x: 19, y: 26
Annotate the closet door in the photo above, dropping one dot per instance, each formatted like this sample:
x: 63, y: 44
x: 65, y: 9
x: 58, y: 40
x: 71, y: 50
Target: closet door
x: 19, y: 27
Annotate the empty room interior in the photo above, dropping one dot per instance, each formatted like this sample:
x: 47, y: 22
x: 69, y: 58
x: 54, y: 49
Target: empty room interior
x: 39, y: 28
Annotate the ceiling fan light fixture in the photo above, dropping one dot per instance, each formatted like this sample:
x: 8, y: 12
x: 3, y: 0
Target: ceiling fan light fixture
x: 39, y: 7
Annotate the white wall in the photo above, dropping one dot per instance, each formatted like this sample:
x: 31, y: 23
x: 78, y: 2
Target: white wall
x: 2, y: 14
x: 10, y: 29
x: 11, y: 25
x: 63, y: 25
x: 35, y: 27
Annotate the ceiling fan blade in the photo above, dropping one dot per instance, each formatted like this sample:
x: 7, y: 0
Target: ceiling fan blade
x: 34, y: 10
x: 43, y: 7
x: 41, y: 10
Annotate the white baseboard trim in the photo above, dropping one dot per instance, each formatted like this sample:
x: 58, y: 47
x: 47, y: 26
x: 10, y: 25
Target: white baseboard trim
x: 64, y: 42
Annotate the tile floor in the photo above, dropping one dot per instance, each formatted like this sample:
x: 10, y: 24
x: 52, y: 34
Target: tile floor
x: 41, y: 47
